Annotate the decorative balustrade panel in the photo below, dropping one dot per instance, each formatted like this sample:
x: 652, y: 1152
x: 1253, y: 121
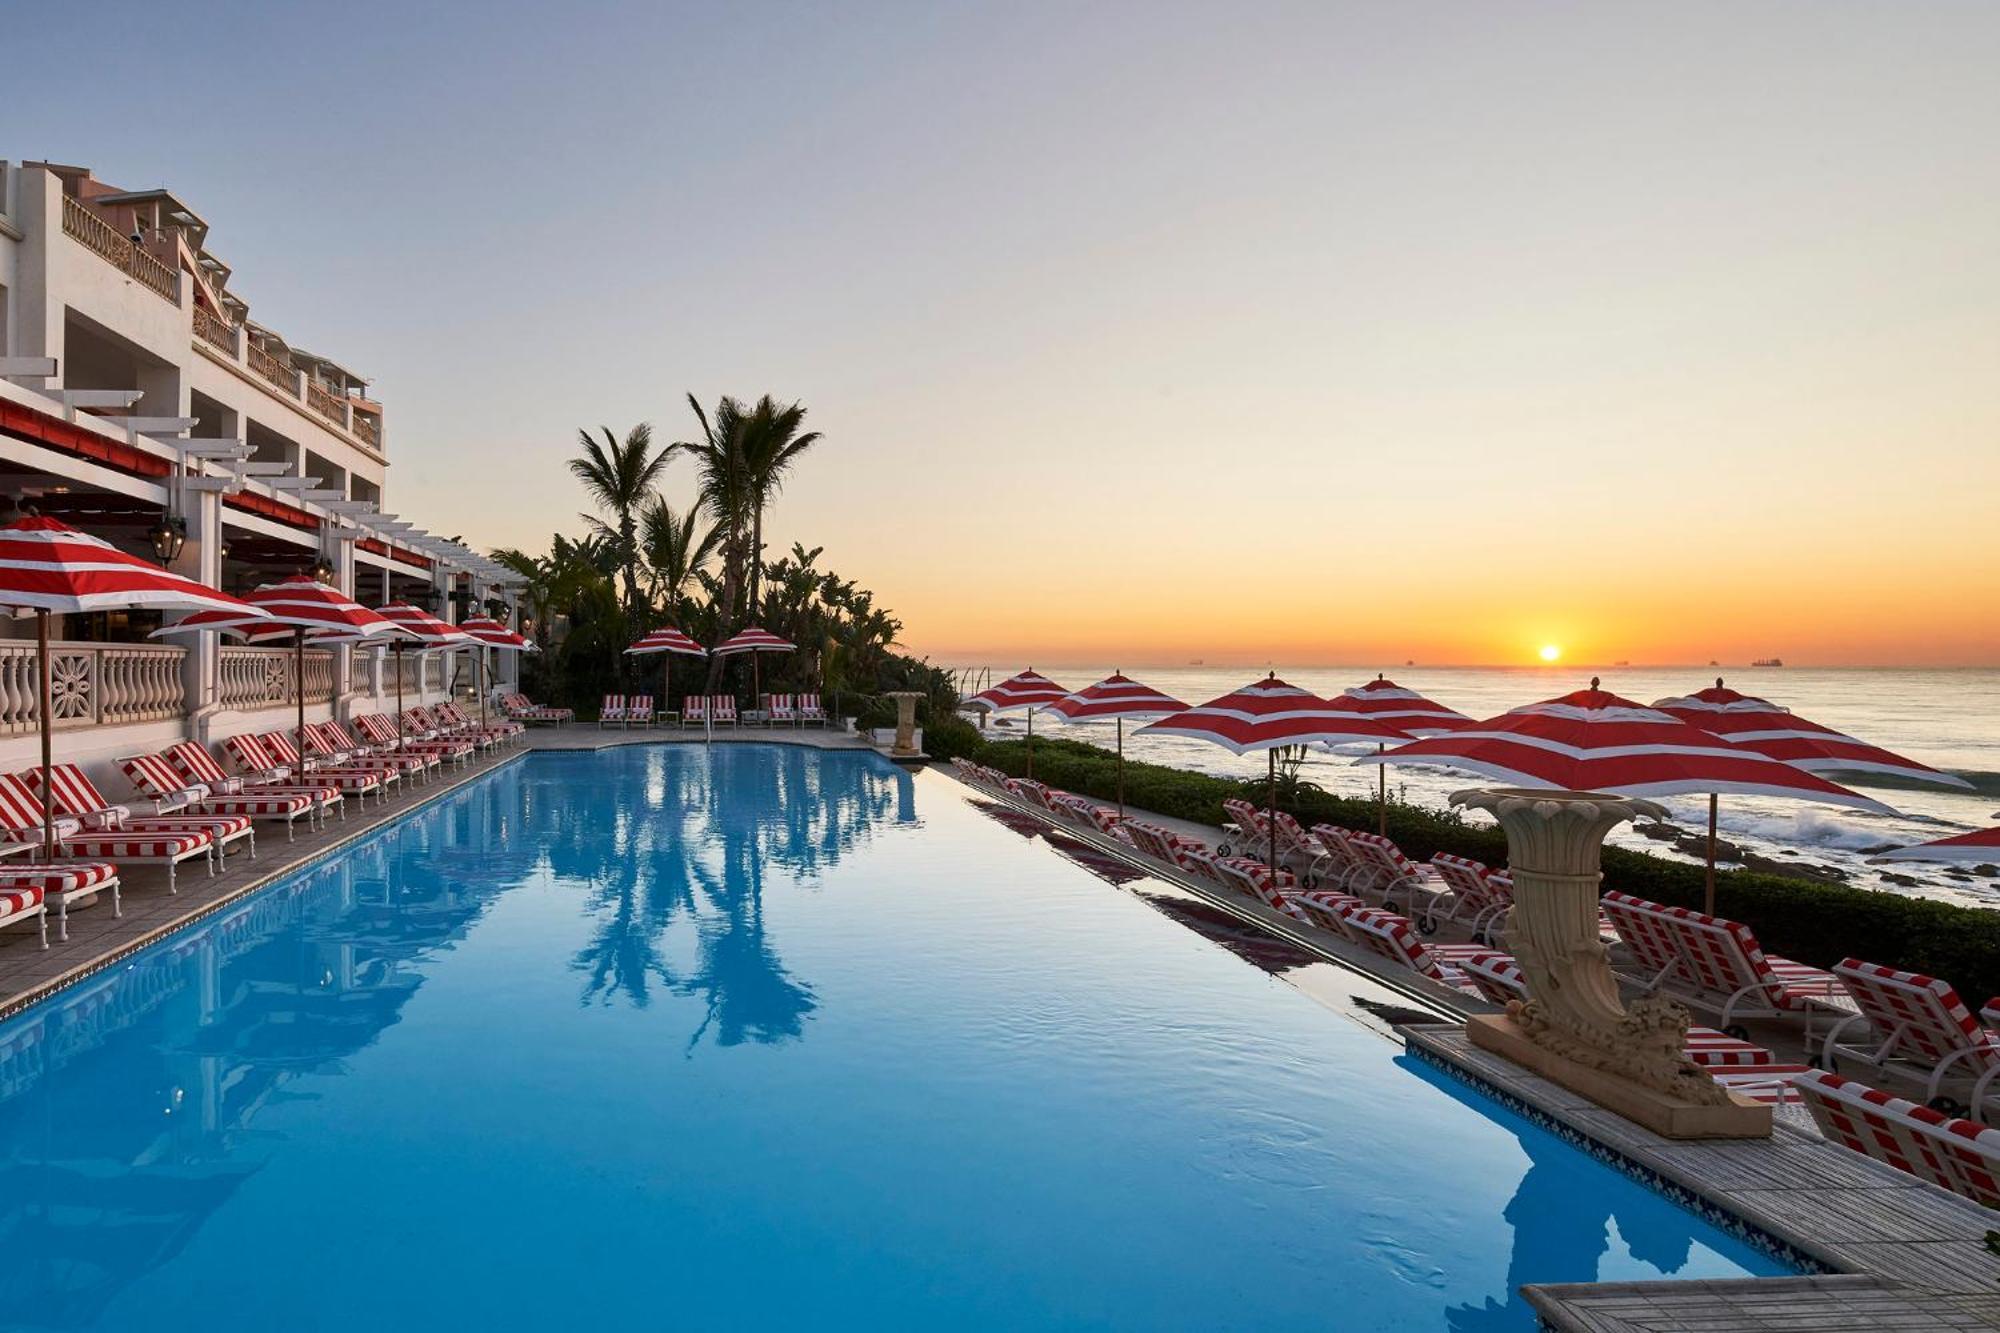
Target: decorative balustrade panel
x: 91, y: 684
x: 326, y: 404
x: 214, y: 330
x: 250, y: 678
x: 103, y: 240
x: 280, y: 375
x: 368, y: 430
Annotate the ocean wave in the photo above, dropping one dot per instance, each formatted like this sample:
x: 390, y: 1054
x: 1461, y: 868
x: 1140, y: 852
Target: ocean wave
x: 1986, y: 784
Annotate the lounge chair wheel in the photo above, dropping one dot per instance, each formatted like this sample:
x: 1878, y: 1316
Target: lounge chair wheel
x: 1427, y: 924
x: 1222, y: 849
x: 1391, y: 905
x: 1946, y: 1106
x: 1738, y: 1031
x: 1310, y: 881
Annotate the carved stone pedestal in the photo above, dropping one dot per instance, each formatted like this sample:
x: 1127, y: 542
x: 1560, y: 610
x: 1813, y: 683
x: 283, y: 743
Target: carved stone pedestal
x: 1573, y: 1029
x: 906, y: 721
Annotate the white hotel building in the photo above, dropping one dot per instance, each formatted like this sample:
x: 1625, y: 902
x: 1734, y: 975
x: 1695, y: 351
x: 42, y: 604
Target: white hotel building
x: 140, y: 402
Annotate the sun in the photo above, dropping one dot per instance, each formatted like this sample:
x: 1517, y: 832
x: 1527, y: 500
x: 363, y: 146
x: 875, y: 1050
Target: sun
x: 1551, y: 652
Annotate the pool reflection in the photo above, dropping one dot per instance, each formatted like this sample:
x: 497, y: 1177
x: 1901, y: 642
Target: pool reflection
x: 696, y: 837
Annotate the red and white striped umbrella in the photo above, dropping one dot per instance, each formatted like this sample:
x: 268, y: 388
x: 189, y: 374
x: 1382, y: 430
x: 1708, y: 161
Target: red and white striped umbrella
x: 754, y: 640
x: 493, y: 634
x: 1386, y: 701
x: 1978, y: 847
x: 487, y: 632
x: 1119, y: 697
x: 299, y: 602
x: 667, y: 639
x: 1268, y: 715
x: 1760, y: 725
x: 425, y: 628
x: 1116, y: 696
x: 1027, y: 690
x: 48, y: 567
x: 1593, y: 740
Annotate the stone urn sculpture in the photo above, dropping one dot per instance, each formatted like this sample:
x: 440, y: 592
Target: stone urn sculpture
x: 1574, y: 1028
x: 906, y: 722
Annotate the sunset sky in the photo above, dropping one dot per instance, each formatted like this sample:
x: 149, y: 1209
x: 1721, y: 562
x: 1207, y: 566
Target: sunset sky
x: 1153, y: 331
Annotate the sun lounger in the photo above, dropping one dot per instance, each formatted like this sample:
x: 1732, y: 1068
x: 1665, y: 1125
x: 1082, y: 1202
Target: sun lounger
x: 723, y: 708
x: 1297, y: 849
x: 1328, y: 909
x: 1092, y: 817
x: 198, y: 768
x: 518, y: 707
x: 1274, y: 888
x: 78, y: 798
x: 1033, y: 792
x: 1399, y: 880
x: 503, y: 728
x: 382, y: 731
x: 1245, y: 832
x: 1341, y: 866
x: 1204, y: 863
x: 1716, y: 965
x: 155, y: 778
x: 1915, y: 1026
x: 363, y: 780
x: 430, y: 727
x: 63, y: 883
x: 23, y: 904
x: 1479, y: 899
x: 639, y: 711
x: 1959, y: 1155
x: 612, y: 710
x: 324, y: 752
x: 1395, y: 938
x: 411, y: 763
x: 694, y: 711
x: 1162, y: 844
x: 782, y: 709
x: 21, y: 821
x: 810, y: 710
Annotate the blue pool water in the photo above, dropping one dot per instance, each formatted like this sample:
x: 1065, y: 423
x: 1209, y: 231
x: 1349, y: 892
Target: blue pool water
x: 760, y: 1037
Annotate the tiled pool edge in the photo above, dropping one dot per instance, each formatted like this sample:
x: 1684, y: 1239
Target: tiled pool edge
x: 28, y: 998
x: 1912, y: 1248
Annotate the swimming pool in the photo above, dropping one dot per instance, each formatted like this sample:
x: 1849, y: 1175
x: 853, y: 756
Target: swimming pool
x: 759, y: 1035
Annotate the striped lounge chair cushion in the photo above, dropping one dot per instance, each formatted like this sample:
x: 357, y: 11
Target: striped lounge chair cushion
x: 122, y: 844
x: 16, y: 899
x: 260, y: 807
x: 68, y: 878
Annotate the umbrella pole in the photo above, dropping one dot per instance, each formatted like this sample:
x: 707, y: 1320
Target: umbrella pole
x: 1121, y: 768
x: 399, y: 694
x: 48, y: 786
x: 1708, y: 892
x: 1271, y: 813
x: 299, y: 689
x: 1382, y: 794
x: 756, y: 682
x: 1031, y: 745
x: 479, y: 681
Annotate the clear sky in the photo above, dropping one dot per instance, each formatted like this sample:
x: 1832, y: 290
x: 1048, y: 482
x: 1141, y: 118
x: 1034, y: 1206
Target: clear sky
x: 1149, y: 331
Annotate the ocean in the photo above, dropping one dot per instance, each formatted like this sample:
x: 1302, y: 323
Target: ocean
x: 1949, y: 719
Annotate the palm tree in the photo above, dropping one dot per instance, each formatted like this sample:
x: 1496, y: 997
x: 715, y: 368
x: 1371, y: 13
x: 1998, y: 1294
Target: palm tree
x: 621, y: 478
x: 772, y: 442
x: 676, y: 553
x: 718, y: 458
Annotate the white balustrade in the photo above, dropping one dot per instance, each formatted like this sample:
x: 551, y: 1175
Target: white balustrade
x: 91, y: 684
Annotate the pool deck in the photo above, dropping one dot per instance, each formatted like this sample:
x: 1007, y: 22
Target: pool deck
x: 1898, y: 1253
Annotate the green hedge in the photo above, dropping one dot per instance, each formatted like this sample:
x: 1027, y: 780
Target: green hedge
x: 1804, y: 919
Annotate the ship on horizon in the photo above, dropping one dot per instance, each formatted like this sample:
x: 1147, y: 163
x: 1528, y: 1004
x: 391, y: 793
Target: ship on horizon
x: 1768, y: 662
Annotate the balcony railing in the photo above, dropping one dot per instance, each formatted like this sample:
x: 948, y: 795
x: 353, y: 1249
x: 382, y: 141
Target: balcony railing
x: 326, y: 404
x: 103, y: 240
x: 250, y: 678
x: 91, y: 684
x: 279, y: 375
x: 214, y: 330
x: 368, y: 430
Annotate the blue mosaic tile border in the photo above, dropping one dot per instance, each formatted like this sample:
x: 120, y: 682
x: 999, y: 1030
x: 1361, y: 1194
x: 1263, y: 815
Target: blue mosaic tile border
x: 1700, y: 1205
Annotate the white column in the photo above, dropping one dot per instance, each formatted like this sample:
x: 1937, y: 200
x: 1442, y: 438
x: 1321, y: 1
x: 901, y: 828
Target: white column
x: 201, y: 560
